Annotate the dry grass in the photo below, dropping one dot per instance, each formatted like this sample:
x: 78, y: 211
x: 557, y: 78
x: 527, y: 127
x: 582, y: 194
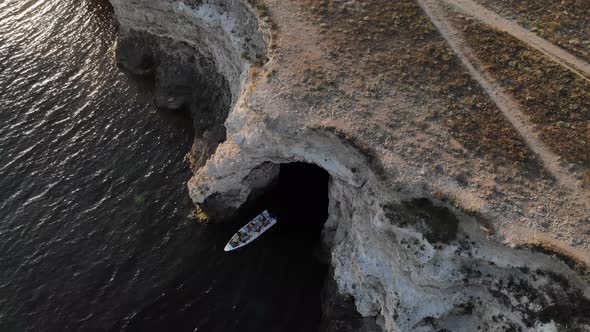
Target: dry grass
x: 262, y: 9
x: 555, y: 99
x: 387, y: 45
x: 565, y: 22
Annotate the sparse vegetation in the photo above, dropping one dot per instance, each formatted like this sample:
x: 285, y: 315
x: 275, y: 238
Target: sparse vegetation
x: 262, y: 9
x: 269, y: 74
x: 245, y: 56
x: 261, y: 59
x: 555, y: 99
x: 383, y: 30
x: 317, y: 79
x: 201, y: 215
x: 564, y: 23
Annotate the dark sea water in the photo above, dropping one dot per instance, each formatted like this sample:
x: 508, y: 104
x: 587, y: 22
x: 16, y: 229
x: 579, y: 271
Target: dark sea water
x: 94, y: 227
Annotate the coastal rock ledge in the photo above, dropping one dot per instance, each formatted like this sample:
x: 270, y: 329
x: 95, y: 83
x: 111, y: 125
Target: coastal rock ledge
x: 459, y: 196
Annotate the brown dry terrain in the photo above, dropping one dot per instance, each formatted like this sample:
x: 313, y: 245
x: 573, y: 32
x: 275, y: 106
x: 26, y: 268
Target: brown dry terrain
x: 378, y: 34
x: 555, y: 99
x: 564, y: 23
x: 401, y: 82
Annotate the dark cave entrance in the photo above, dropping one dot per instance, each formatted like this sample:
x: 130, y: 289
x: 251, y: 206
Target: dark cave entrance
x: 300, y: 199
x: 297, y: 197
x: 284, y: 268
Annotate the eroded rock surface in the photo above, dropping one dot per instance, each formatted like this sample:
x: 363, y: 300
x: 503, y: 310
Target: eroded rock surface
x: 439, y: 191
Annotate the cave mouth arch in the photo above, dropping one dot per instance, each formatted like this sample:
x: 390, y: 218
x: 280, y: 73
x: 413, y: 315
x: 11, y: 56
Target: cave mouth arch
x: 299, y: 198
x: 286, y: 268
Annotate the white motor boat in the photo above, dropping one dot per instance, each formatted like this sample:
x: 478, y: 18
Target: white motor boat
x: 251, y: 231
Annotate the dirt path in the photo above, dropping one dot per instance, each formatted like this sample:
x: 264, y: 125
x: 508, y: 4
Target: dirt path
x: 554, y: 52
x: 505, y: 102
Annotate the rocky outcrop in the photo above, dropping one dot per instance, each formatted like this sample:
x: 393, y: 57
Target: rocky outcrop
x: 434, y: 211
x: 197, y: 54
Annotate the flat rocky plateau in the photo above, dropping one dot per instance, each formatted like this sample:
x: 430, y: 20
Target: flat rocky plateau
x: 456, y: 134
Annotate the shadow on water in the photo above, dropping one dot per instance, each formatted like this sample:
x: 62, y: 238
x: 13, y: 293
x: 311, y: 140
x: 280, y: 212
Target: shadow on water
x: 273, y: 284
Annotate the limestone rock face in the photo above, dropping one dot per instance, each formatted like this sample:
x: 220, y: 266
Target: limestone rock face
x: 444, y: 212
x: 225, y: 31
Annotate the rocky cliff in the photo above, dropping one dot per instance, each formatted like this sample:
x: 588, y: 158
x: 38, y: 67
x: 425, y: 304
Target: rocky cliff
x: 458, y: 168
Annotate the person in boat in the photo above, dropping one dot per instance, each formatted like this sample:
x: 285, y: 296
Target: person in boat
x: 235, y: 240
x: 265, y: 222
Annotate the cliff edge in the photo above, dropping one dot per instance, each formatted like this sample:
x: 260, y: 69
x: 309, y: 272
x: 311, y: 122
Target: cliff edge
x: 456, y: 134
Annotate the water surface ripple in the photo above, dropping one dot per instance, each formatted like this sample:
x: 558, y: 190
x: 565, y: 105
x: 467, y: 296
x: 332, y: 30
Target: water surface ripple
x: 94, y: 234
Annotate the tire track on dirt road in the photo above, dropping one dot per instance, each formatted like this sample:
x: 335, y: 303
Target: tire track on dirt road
x: 505, y: 102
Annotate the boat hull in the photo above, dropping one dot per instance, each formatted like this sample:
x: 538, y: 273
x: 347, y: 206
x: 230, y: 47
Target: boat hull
x: 251, y: 231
